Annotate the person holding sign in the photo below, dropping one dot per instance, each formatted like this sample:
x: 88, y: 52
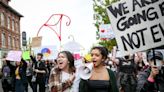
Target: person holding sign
x: 18, y: 72
x: 152, y: 79
x: 102, y: 79
x: 20, y: 76
x: 127, y: 71
x: 39, y: 73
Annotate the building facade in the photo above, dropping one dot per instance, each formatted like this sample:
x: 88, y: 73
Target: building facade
x: 9, y: 28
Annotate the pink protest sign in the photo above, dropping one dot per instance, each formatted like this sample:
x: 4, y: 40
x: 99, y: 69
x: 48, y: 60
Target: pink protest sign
x: 14, y: 56
x: 76, y: 56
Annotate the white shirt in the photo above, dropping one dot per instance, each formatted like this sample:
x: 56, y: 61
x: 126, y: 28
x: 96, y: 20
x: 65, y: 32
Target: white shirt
x: 75, y: 87
x: 65, y: 76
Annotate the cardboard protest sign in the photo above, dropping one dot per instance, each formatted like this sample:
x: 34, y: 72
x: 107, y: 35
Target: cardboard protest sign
x: 14, y: 56
x: 26, y: 55
x: 105, y: 31
x: 36, y: 41
x: 138, y: 24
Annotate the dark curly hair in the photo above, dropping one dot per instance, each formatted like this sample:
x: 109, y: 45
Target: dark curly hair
x: 103, y: 50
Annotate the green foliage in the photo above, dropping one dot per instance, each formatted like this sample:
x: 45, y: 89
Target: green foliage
x: 108, y: 44
x: 101, y: 17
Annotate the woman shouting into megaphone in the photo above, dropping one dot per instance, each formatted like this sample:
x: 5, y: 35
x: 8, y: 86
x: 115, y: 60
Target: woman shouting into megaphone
x: 102, y: 79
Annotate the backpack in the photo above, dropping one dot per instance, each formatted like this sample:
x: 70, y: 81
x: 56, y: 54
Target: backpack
x: 6, y: 71
x: 6, y: 75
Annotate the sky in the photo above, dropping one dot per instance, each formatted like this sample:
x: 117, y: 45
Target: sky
x: 37, y: 12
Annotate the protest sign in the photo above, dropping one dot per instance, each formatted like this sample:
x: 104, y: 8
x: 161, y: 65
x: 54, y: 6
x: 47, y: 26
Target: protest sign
x: 138, y: 24
x: 36, y: 41
x: 76, y: 56
x: 105, y: 31
x: 49, y: 52
x: 14, y: 56
x: 72, y: 46
x: 26, y: 55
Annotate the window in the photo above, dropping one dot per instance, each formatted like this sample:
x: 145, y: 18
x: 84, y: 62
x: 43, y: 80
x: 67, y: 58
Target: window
x: 9, y: 42
x: 3, y: 40
x: 13, y: 41
x: 2, y: 19
x: 13, y: 25
x: 16, y: 43
x: 8, y: 22
x: 17, y: 27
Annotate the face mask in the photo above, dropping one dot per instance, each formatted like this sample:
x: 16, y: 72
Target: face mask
x: 158, y: 63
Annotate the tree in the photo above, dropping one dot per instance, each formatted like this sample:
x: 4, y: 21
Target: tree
x: 101, y: 17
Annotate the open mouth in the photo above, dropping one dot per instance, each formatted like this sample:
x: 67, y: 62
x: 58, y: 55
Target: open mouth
x: 94, y: 63
x: 60, y: 63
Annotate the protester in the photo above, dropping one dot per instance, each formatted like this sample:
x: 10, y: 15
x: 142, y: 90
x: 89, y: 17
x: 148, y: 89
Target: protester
x: 126, y: 74
x: 141, y: 61
x: 12, y: 67
x: 29, y: 73
x: 111, y: 65
x: 102, y: 79
x: 53, y: 64
x: 39, y: 73
x: 152, y: 79
x: 20, y: 76
x: 47, y: 64
x: 63, y: 77
x: 6, y: 77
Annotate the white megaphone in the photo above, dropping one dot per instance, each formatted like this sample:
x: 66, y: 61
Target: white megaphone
x: 85, y: 71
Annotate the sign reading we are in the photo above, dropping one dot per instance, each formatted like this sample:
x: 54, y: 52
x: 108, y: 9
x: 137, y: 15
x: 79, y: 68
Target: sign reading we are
x: 138, y: 24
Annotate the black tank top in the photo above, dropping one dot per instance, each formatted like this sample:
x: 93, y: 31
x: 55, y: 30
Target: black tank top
x: 99, y: 85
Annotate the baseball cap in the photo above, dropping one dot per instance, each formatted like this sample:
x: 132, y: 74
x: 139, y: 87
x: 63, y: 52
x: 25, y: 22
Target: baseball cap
x: 158, y: 55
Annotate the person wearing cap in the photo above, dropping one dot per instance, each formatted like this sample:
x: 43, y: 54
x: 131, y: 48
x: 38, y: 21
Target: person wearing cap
x: 152, y: 79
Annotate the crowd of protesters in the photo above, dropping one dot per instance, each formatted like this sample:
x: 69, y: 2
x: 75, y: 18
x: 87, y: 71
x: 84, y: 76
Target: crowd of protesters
x: 131, y: 73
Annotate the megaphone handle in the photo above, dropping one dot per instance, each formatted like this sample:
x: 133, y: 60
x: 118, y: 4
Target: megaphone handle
x: 86, y: 70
